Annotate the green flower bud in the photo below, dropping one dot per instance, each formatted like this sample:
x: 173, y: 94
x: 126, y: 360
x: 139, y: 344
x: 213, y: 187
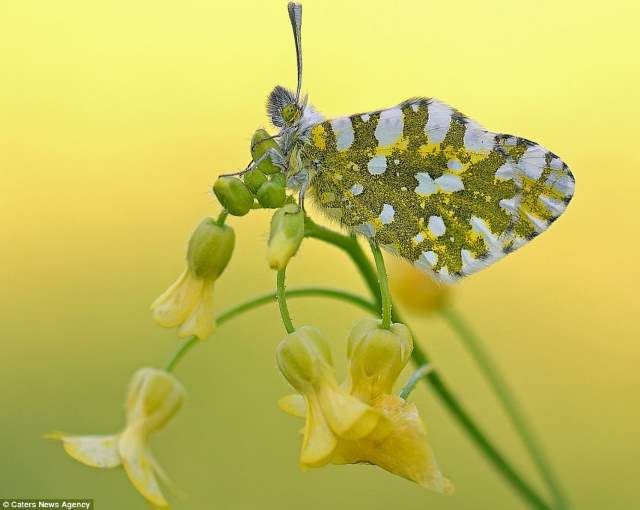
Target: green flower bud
x: 254, y: 179
x: 376, y: 357
x: 279, y: 179
x: 234, y: 196
x: 304, y: 358
x: 260, y: 144
x: 271, y: 195
x: 287, y: 232
x: 210, y: 249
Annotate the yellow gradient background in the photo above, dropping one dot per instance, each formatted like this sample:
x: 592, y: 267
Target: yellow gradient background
x: 117, y: 116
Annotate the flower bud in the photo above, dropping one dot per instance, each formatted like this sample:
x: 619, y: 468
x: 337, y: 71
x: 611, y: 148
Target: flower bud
x: 271, y: 195
x: 376, y: 357
x: 210, y: 249
x: 234, y: 196
x: 304, y: 358
x: 254, y: 179
x: 260, y: 144
x: 279, y: 179
x: 287, y: 232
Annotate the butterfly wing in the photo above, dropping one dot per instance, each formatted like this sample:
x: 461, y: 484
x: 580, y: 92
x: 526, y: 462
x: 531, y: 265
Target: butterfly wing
x: 433, y: 186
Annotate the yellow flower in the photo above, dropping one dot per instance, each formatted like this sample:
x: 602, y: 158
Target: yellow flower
x: 415, y: 289
x: 153, y: 398
x: 188, y: 303
x: 399, y: 443
x: 287, y: 232
x: 305, y: 360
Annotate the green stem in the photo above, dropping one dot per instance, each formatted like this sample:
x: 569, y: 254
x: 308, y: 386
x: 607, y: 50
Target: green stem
x: 383, y: 284
x: 350, y: 245
x: 497, y: 382
x: 222, y: 217
x: 282, y: 301
x: 268, y: 298
x: 418, y: 374
x: 180, y: 352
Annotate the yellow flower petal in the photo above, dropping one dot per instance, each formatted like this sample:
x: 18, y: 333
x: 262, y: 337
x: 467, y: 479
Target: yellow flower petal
x: 177, y: 302
x: 138, y: 464
x: 348, y: 417
x: 404, y: 451
x: 200, y: 322
x: 294, y: 405
x: 94, y: 451
x: 319, y: 441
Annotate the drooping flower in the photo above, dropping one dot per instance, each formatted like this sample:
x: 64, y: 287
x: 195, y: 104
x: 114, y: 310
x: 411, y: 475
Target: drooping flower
x: 332, y: 414
x: 287, y: 232
x: 153, y: 398
x: 188, y: 303
x: 399, y: 444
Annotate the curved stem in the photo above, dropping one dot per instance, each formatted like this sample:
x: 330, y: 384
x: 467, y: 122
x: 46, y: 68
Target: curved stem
x: 418, y: 374
x: 383, y: 284
x: 509, y: 403
x: 267, y: 298
x: 419, y: 357
x: 222, y: 217
x: 270, y: 297
x: 282, y: 301
x: 180, y: 352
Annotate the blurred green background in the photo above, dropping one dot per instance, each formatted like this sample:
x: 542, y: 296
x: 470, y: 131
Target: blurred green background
x: 116, y: 118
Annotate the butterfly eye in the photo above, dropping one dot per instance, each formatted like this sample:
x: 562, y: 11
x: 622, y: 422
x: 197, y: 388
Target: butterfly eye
x: 290, y: 113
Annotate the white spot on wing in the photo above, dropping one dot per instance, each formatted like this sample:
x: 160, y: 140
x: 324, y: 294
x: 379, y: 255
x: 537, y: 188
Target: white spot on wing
x: 438, y: 121
x: 480, y: 226
x: 555, y: 207
x: 509, y: 204
x: 426, y: 185
x: 477, y: 139
x: 418, y: 237
x: 390, y: 126
x: 430, y: 257
x: 366, y: 229
x: 377, y: 165
x: 343, y: 131
x: 538, y: 223
x: 506, y: 171
x: 449, y: 182
x: 454, y: 164
x: 532, y: 162
x: 436, y: 226
x: 365, y: 117
x: 387, y: 214
x: 357, y: 189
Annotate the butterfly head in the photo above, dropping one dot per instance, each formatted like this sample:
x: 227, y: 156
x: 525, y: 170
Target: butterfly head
x: 282, y: 107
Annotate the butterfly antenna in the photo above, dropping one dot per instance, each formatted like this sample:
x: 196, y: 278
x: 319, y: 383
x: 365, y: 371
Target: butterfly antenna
x: 295, y: 15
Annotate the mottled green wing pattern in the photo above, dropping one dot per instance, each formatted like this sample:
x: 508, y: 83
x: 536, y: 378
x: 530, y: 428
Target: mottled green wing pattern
x: 433, y: 186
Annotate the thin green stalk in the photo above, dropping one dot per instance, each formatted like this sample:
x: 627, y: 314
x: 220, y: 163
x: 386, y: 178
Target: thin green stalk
x: 383, y: 282
x: 270, y: 297
x: 222, y: 217
x: 417, y: 375
x: 497, y: 382
x: 282, y: 301
x: 419, y: 357
x: 180, y: 352
x: 267, y: 298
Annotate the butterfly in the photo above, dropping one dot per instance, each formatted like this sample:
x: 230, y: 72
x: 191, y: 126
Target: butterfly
x: 421, y: 179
